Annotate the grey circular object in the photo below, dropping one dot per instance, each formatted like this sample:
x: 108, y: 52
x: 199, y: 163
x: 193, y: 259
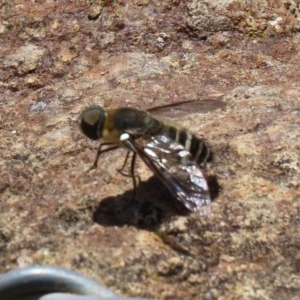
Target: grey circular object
x: 47, y: 283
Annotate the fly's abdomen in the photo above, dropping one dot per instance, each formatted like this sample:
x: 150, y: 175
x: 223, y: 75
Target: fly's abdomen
x: 196, y: 146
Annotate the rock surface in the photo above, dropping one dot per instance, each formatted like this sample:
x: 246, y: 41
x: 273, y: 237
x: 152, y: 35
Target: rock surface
x: 58, y: 57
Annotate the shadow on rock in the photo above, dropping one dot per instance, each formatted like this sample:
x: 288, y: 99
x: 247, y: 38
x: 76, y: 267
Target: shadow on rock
x: 147, y: 208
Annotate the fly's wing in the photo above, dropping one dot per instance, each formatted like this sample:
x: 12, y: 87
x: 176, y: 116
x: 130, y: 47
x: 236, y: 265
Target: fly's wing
x: 180, y: 109
x: 176, y: 168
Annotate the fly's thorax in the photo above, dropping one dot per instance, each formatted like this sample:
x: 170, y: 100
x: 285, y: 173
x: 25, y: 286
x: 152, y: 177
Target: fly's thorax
x: 110, y: 132
x: 137, y: 123
x: 195, y: 145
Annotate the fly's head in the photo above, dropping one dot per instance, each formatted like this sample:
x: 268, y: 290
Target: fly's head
x: 91, y: 122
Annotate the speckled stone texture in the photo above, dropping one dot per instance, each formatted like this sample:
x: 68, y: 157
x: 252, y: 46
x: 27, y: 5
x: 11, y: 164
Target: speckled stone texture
x: 57, y: 57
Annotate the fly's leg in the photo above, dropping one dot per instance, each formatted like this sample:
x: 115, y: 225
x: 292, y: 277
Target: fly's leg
x: 126, y: 139
x: 124, y: 165
x: 133, y: 176
x: 135, y: 179
x: 100, y: 151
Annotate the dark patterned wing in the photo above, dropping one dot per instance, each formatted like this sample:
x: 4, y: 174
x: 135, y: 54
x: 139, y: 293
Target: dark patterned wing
x: 175, y: 167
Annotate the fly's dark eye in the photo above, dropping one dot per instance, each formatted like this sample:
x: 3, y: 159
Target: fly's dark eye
x: 91, y: 122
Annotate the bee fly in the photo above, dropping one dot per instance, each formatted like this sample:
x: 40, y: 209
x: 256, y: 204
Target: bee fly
x: 174, y: 155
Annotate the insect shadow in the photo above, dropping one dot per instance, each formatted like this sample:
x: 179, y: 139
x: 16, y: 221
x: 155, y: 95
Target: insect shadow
x: 147, y: 207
